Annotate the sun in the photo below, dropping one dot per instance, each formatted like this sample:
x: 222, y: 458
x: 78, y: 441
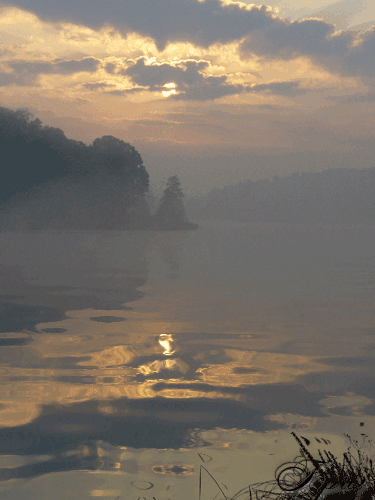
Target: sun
x: 172, y: 87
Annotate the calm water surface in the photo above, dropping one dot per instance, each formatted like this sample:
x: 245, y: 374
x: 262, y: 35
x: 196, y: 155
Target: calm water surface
x: 131, y: 359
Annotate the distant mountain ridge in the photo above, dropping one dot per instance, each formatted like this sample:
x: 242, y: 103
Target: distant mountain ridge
x: 335, y: 195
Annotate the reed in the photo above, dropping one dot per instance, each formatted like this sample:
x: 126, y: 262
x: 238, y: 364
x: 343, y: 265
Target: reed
x: 311, y: 478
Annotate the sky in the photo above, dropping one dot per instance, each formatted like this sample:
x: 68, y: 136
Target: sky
x: 214, y: 91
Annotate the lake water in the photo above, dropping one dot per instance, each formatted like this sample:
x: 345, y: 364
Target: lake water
x: 132, y: 359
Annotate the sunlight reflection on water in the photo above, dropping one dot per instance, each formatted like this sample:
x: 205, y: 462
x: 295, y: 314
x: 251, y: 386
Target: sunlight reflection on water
x: 166, y: 341
x: 231, y: 336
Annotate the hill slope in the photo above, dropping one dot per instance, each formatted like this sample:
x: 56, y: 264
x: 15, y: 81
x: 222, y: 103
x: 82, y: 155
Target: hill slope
x: 333, y: 195
x: 49, y: 181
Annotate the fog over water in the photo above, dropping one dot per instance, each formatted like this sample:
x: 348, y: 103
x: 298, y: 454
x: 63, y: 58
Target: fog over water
x: 131, y: 358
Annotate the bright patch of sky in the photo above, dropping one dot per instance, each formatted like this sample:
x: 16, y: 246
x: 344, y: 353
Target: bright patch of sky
x: 354, y: 12
x: 192, y: 81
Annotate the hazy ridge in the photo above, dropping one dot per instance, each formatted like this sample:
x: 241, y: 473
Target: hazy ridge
x: 335, y: 195
x: 51, y: 182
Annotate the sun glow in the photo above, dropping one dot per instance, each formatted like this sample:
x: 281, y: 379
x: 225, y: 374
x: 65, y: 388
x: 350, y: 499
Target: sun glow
x: 172, y: 90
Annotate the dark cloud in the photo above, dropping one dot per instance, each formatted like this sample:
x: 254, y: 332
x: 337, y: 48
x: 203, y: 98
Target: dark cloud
x: 134, y: 90
x: 87, y: 64
x: 155, y: 76
x: 338, y: 52
x: 110, y: 68
x: 285, y: 40
x: 360, y: 59
x: 202, y: 23
x: 287, y: 89
x: 31, y: 68
x: 95, y: 86
x: 365, y: 97
x: 211, y: 88
x: 361, y: 98
x: 7, y: 79
x: 26, y: 72
x: 205, y: 23
x: 190, y: 83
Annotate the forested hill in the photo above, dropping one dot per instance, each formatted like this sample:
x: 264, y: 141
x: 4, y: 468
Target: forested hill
x: 339, y: 195
x: 64, y: 183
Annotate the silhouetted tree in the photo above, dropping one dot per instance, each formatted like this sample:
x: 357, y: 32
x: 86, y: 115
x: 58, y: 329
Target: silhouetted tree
x: 109, y: 174
x: 171, y: 212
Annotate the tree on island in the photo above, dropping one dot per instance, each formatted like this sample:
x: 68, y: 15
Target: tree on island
x: 170, y: 214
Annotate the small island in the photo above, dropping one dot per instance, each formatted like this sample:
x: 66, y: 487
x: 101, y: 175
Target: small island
x: 170, y: 215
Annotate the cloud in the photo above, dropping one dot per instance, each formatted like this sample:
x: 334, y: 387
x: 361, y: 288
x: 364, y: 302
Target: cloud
x: 204, y: 23
x: 110, y: 68
x: 284, y: 40
x: 189, y: 82
x: 8, y: 79
x: 361, y: 58
x: 124, y: 92
x: 87, y: 64
x: 363, y: 97
x: 211, y: 88
x: 26, y: 72
x: 201, y: 23
x: 287, y: 89
x: 95, y: 86
x: 344, y: 52
x: 156, y: 76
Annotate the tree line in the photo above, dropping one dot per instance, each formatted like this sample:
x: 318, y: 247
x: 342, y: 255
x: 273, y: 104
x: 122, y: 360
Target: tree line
x: 333, y: 195
x: 72, y: 185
